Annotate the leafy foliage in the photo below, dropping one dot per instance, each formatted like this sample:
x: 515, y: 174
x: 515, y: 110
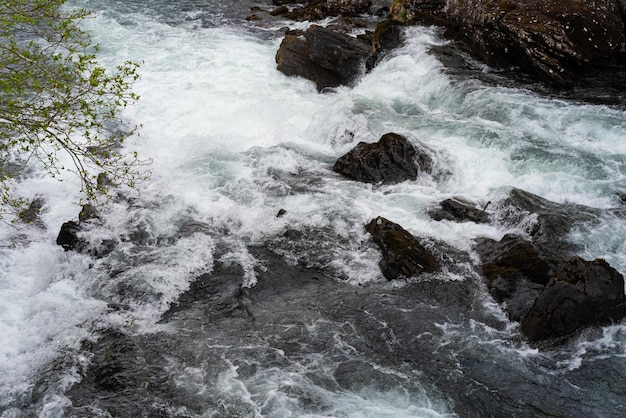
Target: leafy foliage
x: 55, y: 97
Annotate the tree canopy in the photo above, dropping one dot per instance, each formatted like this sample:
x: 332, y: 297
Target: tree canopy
x: 55, y: 98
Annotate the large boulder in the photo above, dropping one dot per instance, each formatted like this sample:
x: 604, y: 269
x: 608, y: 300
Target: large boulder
x: 554, y: 39
x: 403, y: 255
x: 392, y: 159
x: 328, y: 58
x: 583, y: 293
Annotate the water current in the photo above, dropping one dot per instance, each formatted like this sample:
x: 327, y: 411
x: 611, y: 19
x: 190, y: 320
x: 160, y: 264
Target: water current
x: 210, y: 305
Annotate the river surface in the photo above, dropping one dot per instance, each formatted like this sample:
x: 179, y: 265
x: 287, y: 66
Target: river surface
x: 210, y: 305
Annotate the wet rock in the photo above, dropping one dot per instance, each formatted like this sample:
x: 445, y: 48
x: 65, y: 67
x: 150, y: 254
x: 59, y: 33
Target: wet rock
x: 430, y: 12
x: 392, y: 159
x: 30, y: 215
x: 348, y: 7
x: 87, y: 213
x: 403, y: 255
x: 515, y: 272
x: 459, y: 210
x: 68, y: 236
x: 321, y: 9
x: 547, y: 223
x: 282, y: 2
x: 555, y: 40
x: 281, y: 10
x: 328, y: 58
x: 583, y: 293
x: 387, y: 36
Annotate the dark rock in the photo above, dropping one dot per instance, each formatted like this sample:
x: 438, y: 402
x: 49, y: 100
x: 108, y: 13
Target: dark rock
x: 457, y: 209
x: 281, y: 10
x: 515, y: 272
x: 322, y: 55
x: 390, y: 160
x: 347, y: 7
x: 68, y: 236
x: 387, y: 36
x: 403, y: 255
x: 282, y: 2
x: 556, y: 40
x: 281, y: 212
x: 583, y: 293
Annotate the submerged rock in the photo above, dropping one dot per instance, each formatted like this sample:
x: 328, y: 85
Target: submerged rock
x: 392, y: 159
x: 328, y: 58
x: 583, y: 293
x: 403, y: 255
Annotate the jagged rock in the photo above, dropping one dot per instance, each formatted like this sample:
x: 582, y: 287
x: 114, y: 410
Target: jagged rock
x: 459, y: 210
x: 392, y: 159
x: 515, y: 272
x: 328, y: 58
x: 403, y: 255
x: 554, y: 39
x: 583, y: 293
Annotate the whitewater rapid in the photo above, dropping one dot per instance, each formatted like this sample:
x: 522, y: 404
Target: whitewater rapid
x: 232, y: 141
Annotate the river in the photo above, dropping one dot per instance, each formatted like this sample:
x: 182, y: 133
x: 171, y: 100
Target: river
x: 211, y: 305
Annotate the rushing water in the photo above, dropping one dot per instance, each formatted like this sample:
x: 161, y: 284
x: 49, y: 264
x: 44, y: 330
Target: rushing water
x: 232, y: 142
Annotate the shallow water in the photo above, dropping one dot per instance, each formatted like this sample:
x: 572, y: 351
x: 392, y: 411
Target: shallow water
x: 308, y: 326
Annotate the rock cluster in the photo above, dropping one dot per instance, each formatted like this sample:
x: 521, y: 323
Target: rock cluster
x: 556, y: 41
x: 536, y: 279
